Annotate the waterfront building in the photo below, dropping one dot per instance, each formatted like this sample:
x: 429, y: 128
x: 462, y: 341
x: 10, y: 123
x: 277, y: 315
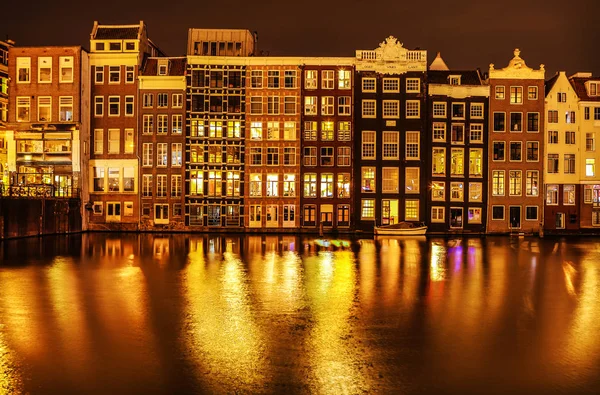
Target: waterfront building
x: 457, y: 132
x: 516, y: 147
x: 116, y: 55
x: 4, y: 47
x: 390, y: 125
x: 562, y: 155
x: 327, y: 139
x: 216, y: 127
x: 47, y: 122
x: 161, y: 114
x: 272, y: 144
x: 587, y: 88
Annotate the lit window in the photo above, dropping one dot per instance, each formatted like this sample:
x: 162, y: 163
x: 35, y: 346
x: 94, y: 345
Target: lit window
x: 590, y: 167
x: 411, y: 210
x: 514, y: 182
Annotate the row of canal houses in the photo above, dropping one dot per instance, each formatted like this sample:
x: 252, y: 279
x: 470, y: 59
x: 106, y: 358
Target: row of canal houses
x: 228, y: 138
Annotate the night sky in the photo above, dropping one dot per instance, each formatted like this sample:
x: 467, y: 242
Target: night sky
x: 563, y: 35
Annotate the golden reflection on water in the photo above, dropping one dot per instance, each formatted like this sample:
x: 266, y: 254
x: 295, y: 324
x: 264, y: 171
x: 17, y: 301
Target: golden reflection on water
x: 334, y: 358
x: 583, y: 345
x: 10, y: 377
x: 224, y: 339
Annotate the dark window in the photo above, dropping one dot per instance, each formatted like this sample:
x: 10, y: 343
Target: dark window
x: 499, y: 121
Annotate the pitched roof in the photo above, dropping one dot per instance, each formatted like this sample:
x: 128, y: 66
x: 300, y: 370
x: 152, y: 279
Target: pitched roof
x: 578, y: 84
x: 117, y: 33
x: 467, y: 77
x: 438, y: 63
x: 176, y: 66
x: 550, y: 83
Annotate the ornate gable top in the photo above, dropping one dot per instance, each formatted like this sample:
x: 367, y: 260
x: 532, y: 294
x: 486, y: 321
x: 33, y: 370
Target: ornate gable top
x: 390, y: 49
x: 517, y: 69
x: 391, y: 57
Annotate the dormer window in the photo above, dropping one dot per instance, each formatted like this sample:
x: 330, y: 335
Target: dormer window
x: 163, y: 68
x: 454, y: 79
x: 115, y: 46
x: 130, y: 46
x: 594, y: 88
x: 99, y: 46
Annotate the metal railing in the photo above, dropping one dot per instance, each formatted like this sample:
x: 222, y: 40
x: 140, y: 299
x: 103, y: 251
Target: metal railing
x: 38, y: 191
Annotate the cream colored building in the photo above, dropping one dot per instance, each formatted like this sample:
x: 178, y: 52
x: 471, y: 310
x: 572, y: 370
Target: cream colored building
x: 562, y: 142
x: 587, y: 89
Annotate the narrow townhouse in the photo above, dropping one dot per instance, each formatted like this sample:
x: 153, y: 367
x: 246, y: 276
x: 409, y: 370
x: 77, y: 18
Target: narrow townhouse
x: 562, y: 156
x: 161, y: 114
x: 457, y: 132
x: 4, y: 78
x: 47, y: 122
x: 516, y: 147
x: 587, y: 88
x: 272, y: 168
x: 216, y: 126
x: 390, y: 130
x: 327, y: 139
x: 116, y: 55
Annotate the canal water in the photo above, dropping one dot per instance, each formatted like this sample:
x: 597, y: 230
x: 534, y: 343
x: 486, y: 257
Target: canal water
x: 111, y: 314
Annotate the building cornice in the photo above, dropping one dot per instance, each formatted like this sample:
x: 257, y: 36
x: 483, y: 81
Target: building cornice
x: 459, y: 91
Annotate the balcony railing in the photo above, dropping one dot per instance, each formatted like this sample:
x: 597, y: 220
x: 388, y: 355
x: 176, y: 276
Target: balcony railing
x: 38, y: 191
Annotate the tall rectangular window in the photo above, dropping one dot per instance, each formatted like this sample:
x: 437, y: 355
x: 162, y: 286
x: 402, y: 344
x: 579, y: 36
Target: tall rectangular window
x: 114, y: 140
x: 368, y: 179
x: 310, y: 79
x: 148, y: 124
x: 273, y: 105
x: 65, y: 64
x: 390, y: 145
x: 147, y: 155
x: 273, y: 79
x: 413, y: 109
x: 499, y: 122
x: 389, y: 180
x: 65, y: 108
x: 161, y: 154
x: 289, y: 105
x: 129, y: 141
x: 98, y: 141
x: 516, y: 94
x: 327, y: 79
x: 412, y: 180
x: 438, y: 161
x: 498, y: 183
x: 569, y: 163
x: 327, y: 105
x: 98, y: 106
x: 147, y: 185
x: 289, y: 79
x: 457, y: 162
x: 176, y: 185
x: 552, y: 163
x: 23, y: 70
x: 129, y: 106
x: 532, y: 151
x: 368, y: 145
x: 344, y: 79
x: 515, y: 182
x: 176, y: 154
x: 531, y: 183
x: 412, y: 145
x: 161, y: 185
x: 44, y: 108
x: 476, y: 162
x: 45, y: 70
x: 176, y: 124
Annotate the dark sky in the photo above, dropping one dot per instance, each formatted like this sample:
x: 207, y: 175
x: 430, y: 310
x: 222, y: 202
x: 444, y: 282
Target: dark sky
x: 564, y: 35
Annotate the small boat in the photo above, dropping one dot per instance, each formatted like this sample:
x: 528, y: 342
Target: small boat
x: 401, y: 229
